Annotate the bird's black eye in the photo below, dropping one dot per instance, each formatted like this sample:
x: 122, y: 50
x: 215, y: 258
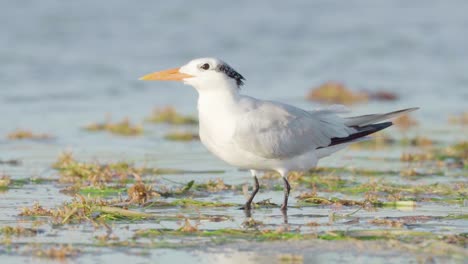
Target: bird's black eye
x: 205, y: 66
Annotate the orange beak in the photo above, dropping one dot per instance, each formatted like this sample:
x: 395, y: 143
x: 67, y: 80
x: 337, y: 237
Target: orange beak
x: 167, y: 75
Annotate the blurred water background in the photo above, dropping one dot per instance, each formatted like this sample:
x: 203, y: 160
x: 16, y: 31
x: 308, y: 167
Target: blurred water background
x: 65, y: 64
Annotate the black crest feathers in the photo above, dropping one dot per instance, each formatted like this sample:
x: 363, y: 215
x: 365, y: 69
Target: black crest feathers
x: 230, y: 72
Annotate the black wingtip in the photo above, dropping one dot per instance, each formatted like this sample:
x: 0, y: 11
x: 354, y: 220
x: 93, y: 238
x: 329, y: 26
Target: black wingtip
x: 361, y: 132
x: 377, y: 127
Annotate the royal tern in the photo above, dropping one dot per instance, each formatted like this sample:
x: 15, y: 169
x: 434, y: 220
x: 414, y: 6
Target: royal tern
x: 263, y: 135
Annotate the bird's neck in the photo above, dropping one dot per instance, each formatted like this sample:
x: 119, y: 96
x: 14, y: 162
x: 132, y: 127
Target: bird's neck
x: 217, y: 102
x: 217, y: 99
x: 217, y: 109
x: 217, y: 93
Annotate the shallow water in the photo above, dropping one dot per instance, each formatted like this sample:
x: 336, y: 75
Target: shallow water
x: 68, y: 64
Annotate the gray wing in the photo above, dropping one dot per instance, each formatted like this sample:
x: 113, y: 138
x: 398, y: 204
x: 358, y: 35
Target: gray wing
x: 275, y: 131
x: 374, y: 118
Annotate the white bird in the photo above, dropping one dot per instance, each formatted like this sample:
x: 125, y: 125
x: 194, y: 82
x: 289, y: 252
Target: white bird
x: 263, y: 135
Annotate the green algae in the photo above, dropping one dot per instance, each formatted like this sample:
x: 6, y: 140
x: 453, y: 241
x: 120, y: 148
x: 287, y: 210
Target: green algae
x: 5, y: 182
x: 216, y: 185
x: 96, y: 174
x: 102, y: 191
x: 457, y: 189
x: 456, y: 153
x: 333, y: 235
x: 375, y: 203
x: 187, y: 202
x: 457, y: 216
x: 116, y: 213
x: 353, y: 171
x: 376, y: 234
x: 331, y: 183
x: 399, y: 234
x: 254, y: 235
x: 82, y: 209
x: 171, y: 171
x: 231, y: 235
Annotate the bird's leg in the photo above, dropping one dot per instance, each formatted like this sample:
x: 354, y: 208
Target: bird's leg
x: 248, y: 214
x: 287, y: 189
x: 285, y: 216
x: 248, y: 204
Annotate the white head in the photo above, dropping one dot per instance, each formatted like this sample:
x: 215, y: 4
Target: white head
x: 204, y: 74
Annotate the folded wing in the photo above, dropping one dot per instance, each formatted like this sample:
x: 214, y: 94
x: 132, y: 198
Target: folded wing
x: 277, y: 131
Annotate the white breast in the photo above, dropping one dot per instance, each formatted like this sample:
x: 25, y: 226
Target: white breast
x: 217, y: 115
x: 216, y: 128
x: 218, y: 121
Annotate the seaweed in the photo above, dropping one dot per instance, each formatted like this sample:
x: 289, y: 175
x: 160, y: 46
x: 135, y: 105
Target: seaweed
x: 186, y: 202
x: 100, y: 191
x: 170, y: 116
x: 140, y: 193
x: 334, y: 92
x: 181, y: 136
x: 122, y: 128
x: 405, y: 122
x: 72, y: 171
x: 461, y: 119
x: 5, y: 182
x: 59, y: 252
x: 253, y: 235
x: 18, y: 231
x: 20, y: 134
x: 82, y: 209
x: 313, y: 199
